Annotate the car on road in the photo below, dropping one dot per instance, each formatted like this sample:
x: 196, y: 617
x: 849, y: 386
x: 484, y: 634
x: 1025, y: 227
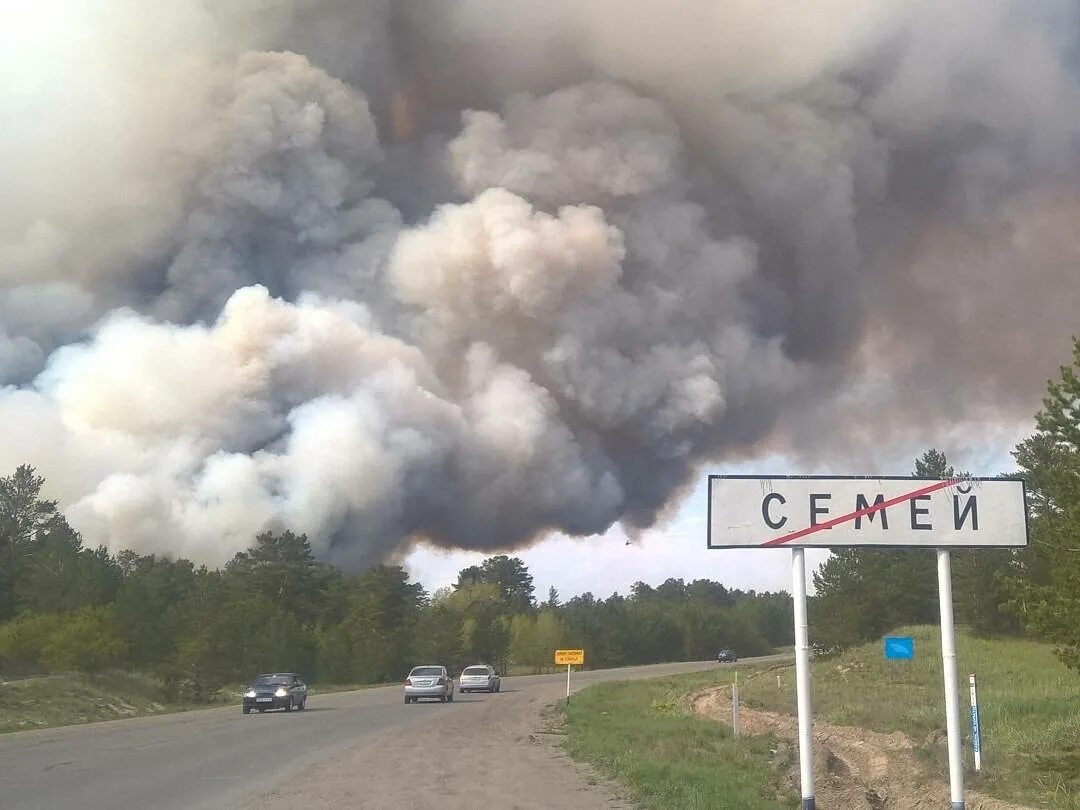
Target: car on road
x: 276, y: 690
x: 429, y: 682
x: 726, y: 657
x: 479, y: 678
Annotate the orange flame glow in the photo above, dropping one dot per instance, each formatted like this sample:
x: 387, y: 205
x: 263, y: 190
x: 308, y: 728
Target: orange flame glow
x: 402, y: 116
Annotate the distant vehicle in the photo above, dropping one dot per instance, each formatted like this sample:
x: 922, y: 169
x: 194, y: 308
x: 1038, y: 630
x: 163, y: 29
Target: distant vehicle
x: 479, y: 678
x: 726, y: 657
x: 429, y: 682
x: 278, y: 690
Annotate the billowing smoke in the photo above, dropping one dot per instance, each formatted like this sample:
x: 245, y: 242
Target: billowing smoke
x: 378, y: 270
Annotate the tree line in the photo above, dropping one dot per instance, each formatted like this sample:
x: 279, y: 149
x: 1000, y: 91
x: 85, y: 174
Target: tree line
x: 1035, y: 591
x: 66, y: 607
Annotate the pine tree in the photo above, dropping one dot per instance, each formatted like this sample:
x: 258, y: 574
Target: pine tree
x: 1047, y: 593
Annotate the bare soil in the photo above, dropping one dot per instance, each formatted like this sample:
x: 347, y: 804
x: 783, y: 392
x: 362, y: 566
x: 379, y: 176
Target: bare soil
x: 854, y: 769
x: 482, y: 751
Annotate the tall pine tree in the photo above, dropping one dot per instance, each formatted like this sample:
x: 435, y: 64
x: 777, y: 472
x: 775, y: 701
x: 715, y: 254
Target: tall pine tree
x: 1047, y: 593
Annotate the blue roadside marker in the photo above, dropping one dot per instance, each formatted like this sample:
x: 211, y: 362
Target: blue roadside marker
x: 899, y: 648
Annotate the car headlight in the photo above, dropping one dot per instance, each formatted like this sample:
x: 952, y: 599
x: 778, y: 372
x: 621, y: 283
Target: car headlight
x: 249, y: 693
x: 280, y: 693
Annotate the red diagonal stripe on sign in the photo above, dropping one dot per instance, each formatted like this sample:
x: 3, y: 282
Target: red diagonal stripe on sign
x: 877, y: 507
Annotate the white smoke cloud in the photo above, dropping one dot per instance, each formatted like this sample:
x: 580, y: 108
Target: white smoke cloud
x: 496, y: 256
x: 375, y: 270
x: 590, y: 142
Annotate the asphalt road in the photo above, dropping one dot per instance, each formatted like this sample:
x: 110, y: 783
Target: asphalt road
x: 217, y: 758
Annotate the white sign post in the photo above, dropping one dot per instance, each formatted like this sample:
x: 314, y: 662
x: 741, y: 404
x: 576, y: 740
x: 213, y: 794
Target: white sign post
x: 735, y: 709
x: 801, y: 512
x: 570, y: 658
x: 802, y: 678
x: 952, y: 689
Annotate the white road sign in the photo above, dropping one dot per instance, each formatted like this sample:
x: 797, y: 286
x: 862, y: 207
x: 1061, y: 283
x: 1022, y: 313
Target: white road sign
x: 829, y: 511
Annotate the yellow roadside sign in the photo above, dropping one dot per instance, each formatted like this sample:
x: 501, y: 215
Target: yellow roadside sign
x: 564, y: 658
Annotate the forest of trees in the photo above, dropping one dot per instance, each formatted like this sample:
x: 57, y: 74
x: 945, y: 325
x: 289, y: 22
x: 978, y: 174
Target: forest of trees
x: 274, y: 606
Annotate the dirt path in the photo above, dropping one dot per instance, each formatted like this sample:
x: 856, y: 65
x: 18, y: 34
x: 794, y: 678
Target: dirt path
x: 854, y: 769
x: 483, y: 751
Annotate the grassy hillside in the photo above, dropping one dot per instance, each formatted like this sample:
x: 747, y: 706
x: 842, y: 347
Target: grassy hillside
x: 69, y: 699
x: 1029, y: 705
x: 640, y: 734
x: 60, y: 700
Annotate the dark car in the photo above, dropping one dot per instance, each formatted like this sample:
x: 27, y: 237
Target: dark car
x: 279, y: 690
x: 726, y: 657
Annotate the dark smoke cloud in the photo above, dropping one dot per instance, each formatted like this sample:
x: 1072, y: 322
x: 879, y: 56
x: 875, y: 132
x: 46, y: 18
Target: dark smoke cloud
x: 380, y: 270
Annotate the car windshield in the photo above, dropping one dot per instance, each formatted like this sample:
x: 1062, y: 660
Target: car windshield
x: 475, y: 671
x: 272, y: 680
x: 427, y: 671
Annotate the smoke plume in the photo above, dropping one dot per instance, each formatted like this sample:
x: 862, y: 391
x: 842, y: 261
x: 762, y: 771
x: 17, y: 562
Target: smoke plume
x: 378, y: 271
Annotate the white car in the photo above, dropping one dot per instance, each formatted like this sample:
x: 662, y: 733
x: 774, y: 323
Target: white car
x: 479, y: 678
x: 429, y: 682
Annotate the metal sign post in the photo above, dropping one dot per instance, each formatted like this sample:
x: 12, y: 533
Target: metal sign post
x: 802, y: 679
x: 952, y: 689
x: 570, y: 658
x: 799, y: 512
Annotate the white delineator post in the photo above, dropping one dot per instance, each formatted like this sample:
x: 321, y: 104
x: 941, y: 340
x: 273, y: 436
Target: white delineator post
x: 735, y: 709
x: 976, y: 731
x: 952, y: 689
x: 802, y: 679
x: 568, y: 683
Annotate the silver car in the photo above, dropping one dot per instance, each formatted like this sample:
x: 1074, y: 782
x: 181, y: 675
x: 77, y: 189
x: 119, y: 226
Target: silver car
x: 429, y: 682
x: 479, y: 678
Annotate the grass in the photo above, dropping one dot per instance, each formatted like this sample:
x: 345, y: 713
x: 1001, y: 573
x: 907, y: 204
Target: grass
x: 641, y: 734
x: 48, y: 701
x: 1029, y: 706
x: 62, y: 700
